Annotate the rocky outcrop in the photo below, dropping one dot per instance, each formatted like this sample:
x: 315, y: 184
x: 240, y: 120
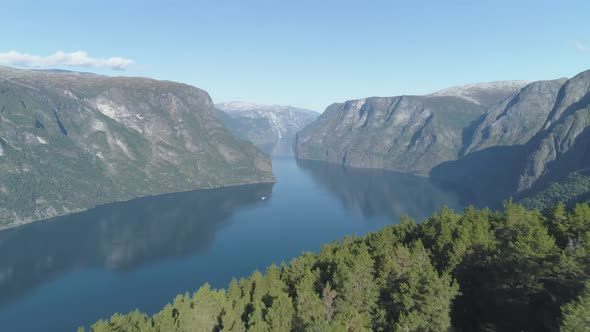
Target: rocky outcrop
x: 71, y: 141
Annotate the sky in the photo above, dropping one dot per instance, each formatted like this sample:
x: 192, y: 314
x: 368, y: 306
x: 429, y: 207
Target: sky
x: 302, y: 53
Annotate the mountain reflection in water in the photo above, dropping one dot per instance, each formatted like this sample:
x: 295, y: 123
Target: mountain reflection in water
x: 119, y: 236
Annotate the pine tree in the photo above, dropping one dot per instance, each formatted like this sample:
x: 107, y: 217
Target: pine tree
x: 576, y: 315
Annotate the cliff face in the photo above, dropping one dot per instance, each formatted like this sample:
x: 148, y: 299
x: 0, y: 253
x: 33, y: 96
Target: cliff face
x: 406, y: 133
x: 70, y: 141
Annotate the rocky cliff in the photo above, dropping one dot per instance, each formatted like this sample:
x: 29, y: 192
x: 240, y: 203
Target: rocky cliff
x: 407, y: 133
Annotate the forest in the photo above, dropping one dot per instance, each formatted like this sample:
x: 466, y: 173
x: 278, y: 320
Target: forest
x: 479, y: 270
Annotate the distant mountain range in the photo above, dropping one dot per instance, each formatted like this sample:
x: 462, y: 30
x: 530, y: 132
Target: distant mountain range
x: 70, y: 141
x: 270, y: 127
x: 510, y: 137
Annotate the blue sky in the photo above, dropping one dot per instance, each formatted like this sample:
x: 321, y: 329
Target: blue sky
x: 310, y: 53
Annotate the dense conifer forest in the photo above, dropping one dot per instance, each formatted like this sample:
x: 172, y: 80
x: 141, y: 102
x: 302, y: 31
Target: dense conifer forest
x: 480, y: 270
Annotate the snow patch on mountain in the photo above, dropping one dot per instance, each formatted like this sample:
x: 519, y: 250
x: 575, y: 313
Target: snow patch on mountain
x: 266, y: 125
x: 472, y: 92
x: 244, y: 106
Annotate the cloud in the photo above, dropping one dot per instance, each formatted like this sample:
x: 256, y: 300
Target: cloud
x: 74, y: 59
x: 581, y: 47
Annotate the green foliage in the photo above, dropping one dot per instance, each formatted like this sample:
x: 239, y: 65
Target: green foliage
x: 576, y: 315
x: 479, y: 270
x: 575, y: 188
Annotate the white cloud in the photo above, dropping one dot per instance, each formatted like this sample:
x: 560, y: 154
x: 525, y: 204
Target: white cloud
x: 74, y: 59
x: 578, y: 45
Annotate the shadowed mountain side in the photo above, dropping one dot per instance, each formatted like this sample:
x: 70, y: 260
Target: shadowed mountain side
x: 483, y: 178
x: 573, y: 189
x: 379, y: 192
x: 577, y: 157
x: 119, y: 236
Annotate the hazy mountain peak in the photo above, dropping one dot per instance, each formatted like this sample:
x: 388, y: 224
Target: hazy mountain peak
x: 483, y: 93
x: 270, y: 127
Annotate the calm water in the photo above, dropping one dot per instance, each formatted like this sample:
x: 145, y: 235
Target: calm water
x: 70, y: 271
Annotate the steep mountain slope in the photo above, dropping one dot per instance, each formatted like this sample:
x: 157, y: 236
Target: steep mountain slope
x: 573, y: 96
x: 516, y: 120
x: 558, y: 151
x: 407, y: 133
x: 522, y: 166
x: 270, y: 127
x: 71, y: 141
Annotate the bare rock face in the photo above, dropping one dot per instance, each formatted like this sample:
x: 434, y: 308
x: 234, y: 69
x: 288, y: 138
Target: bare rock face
x: 70, y: 141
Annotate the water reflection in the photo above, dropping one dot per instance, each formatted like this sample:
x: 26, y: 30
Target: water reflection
x: 381, y: 193
x: 118, y: 236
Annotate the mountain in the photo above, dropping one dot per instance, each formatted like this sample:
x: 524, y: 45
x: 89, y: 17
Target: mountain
x: 489, y: 141
x: 70, y: 141
x: 545, y: 137
x: 378, y: 193
x: 517, y: 119
x: 563, y: 146
x: 406, y: 133
x: 270, y: 127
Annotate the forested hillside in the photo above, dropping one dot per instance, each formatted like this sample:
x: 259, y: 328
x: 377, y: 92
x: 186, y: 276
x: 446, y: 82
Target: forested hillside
x: 71, y: 141
x: 515, y: 270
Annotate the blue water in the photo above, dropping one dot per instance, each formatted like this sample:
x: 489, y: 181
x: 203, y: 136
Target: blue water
x: 65, y: 272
